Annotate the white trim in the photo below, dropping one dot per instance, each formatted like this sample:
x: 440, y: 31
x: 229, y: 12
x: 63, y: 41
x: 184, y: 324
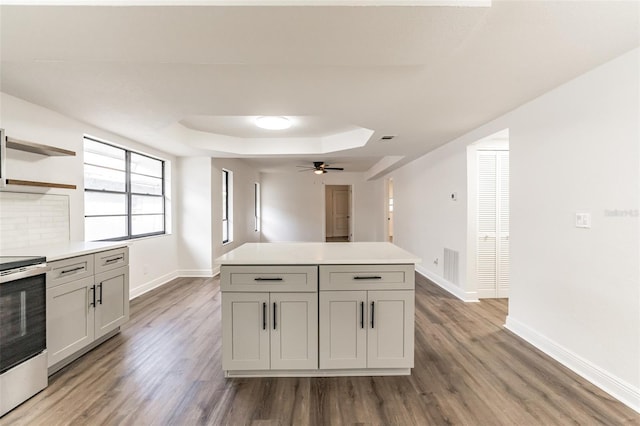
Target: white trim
x: 180, y: 273
x: 451, y: 3
x: 155, y: 283
x: 619, y: 389
x: 215, y: 271
x: 205, y: 273
x: 465, y: 296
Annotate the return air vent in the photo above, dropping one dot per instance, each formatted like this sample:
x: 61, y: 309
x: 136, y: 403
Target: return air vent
x: 451, y: 265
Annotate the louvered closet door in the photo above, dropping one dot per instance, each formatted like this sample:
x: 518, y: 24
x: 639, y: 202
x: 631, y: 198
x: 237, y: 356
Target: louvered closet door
x: 502, y: 278
x: 493, y: 224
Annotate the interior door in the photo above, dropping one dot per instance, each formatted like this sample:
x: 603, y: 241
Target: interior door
x: 493, y: 224
x: 341, y: 213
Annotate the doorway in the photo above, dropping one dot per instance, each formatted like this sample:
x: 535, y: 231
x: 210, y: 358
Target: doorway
x: 389, y: 209
x: 493, y: 224
x: 488, y: 215
x: 338, y: 213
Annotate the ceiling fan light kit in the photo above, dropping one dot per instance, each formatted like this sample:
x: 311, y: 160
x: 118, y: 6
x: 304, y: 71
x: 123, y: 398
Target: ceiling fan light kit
x: 320, y: 167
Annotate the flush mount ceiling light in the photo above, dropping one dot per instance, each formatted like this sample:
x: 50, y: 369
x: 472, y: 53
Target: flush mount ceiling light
x: 273, y: 123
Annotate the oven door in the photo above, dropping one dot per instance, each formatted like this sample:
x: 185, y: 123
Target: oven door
x: 22, y: 320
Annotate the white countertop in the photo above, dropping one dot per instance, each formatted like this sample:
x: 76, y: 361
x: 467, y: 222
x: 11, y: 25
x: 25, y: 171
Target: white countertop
x: 316, y: 254
x: 65, y: 250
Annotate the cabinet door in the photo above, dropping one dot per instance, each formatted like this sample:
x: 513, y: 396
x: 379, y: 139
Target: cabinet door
x: 390, y: 335
x: 70, y: 318
x: 294, y: 331
x: 245, y: 331
x: 343, y: 329
x: 112, y: 300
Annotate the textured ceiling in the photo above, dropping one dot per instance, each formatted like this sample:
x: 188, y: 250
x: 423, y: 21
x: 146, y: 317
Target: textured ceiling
x: 425, y: 74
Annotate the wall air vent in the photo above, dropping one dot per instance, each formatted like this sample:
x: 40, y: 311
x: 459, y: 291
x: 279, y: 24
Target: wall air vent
x: 451, y: 265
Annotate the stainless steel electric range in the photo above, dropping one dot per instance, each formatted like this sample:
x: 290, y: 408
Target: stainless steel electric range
x: 23, y: 337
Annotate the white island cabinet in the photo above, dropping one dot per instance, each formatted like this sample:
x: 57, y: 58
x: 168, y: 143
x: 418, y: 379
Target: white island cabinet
x: 317, y: 309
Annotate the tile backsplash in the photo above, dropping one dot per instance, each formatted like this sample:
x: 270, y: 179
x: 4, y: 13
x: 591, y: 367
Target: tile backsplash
x: 28, y: 219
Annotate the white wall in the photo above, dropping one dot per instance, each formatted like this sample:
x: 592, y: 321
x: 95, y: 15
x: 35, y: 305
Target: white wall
x: 153, y: 260
x: 244, y: 178
x: 194, y: 216
x: 575, y: 293
x: 425, y: 219
x: 577, y: 150
x: 293, y: 206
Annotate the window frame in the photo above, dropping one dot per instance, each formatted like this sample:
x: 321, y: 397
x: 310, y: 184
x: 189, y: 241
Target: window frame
x: 226, y: 220
x: 257, y: 205
x: 129, y: 194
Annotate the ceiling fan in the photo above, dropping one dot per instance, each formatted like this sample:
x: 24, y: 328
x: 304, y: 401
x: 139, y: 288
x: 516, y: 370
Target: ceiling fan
x: 319, y: 167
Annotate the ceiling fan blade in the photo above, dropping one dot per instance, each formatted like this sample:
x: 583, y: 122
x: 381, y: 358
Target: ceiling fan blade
x: 333, y: 168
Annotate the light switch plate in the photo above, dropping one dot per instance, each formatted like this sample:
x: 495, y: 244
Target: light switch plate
x: 583, y: 220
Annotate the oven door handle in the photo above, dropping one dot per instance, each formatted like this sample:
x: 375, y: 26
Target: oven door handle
x: 29, y: 272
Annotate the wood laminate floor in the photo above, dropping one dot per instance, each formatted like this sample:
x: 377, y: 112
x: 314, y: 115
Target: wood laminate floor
x: 164, y: 368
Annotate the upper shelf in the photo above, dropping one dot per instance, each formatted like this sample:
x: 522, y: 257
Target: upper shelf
x: 37, y: 148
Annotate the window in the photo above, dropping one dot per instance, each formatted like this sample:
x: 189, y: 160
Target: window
x: 227, y: 206
x: 124, y: 194
x: 256, y: 206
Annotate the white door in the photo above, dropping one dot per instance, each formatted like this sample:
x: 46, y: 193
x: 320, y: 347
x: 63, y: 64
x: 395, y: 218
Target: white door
x: 70, y: 318
x: 343, y: 329
x: 245, y: 331
x: 493, y: 224
x: 391, y: 329
x: 112, y: 300
x: 341, y: 213
x: 294, y: 331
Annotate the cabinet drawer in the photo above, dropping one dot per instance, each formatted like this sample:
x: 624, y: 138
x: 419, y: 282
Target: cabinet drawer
x: 111, y: 259
x: 269, y: 278
x: 67, y: 270
x: 367, y: 277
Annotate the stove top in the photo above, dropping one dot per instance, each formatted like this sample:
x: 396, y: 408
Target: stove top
x: 12, y: 262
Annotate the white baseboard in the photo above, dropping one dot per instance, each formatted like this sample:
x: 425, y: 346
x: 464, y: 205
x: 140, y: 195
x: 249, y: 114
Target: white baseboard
x: 155, y: 283
x: 619, y: 389
x: 215, y: 271
x: 204, y: 273
x: 466, y: 296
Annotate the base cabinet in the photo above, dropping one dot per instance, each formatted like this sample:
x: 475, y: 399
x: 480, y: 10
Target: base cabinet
x: 112, y: 300
x: 366, y: 329
x: 269, y: 331
x: 70, y: 319
x: 81, y: 311
x: 333, y: 320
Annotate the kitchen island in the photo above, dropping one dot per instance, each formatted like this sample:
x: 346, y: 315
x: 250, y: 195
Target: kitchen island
x: 317, y: 309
